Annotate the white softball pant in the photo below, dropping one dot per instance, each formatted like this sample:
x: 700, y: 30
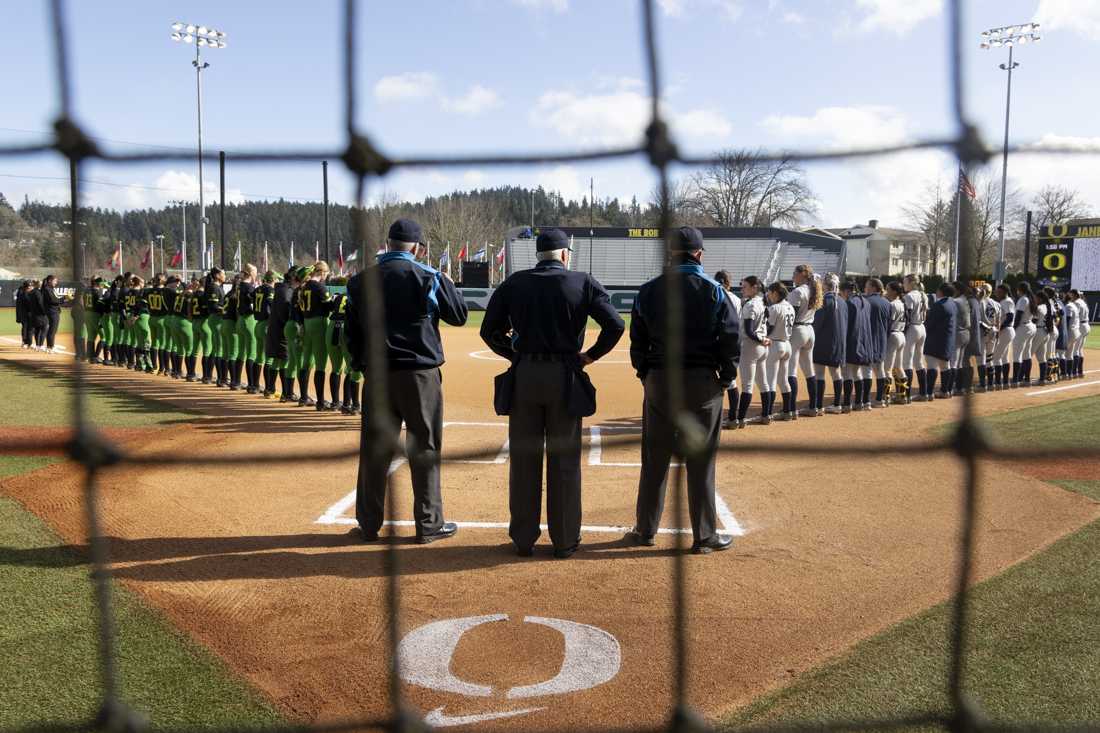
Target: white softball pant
x: 895, y: 352
x: 751, y: 367
x: 1085, y: 330
x: 832, y: 371
x: 934, y: 362
x: 1004, y: 342
x: 802, y: 352
x: 1040, y: 345
x: 775, y: 366
x: 1021, y: 344
x: 858, y: 371
x: 959, y: 356
x: 913, y: 357
x: 989, y: 345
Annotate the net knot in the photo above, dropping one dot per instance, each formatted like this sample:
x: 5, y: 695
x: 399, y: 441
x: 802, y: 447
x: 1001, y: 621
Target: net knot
x: 72, y: 142
x: 970, y: 439
x: 362, y: 157
x: 659, y: 145
x: 115, y: 717
x: 970, y: 148
x: 90, y: 449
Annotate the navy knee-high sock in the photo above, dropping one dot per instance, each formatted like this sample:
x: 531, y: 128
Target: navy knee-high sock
x: 922, y: 381
x: 792, y: 382
x: 866, y: 391
x: 731, y: 395
x: 848, y: 385
x: 930, y: 381
x: 838, y: 388
x: 743, y: 405
x: 880, y: 389
x: 811, y: 390
x: 819, y: 396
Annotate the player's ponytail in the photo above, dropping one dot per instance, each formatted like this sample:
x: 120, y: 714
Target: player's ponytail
x: 817, y: 296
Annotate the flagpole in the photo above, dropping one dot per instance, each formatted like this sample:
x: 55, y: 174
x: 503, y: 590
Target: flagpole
x: 958, y: 221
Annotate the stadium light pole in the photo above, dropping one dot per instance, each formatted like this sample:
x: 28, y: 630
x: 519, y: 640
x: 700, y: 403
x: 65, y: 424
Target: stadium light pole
x: 1010, y: 36
x: 183, y: 237
x: 202, y: 37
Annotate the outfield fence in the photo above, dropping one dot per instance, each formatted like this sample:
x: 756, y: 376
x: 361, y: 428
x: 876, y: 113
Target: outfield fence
x: 367, y: 163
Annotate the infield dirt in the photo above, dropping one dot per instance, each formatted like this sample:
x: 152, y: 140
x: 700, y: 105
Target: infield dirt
x: 833, y: 550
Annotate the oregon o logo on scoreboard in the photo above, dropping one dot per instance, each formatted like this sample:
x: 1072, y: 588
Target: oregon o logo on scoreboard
x: 1055, y: 262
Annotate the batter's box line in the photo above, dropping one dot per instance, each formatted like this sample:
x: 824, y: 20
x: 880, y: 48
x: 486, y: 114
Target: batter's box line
x: 336, y: 515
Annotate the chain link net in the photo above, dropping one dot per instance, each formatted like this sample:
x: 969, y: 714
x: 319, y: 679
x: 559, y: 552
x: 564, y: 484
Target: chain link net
x: 366, y: 162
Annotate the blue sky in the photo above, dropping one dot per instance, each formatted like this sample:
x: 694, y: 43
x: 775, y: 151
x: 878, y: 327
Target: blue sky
x: 482, y: 75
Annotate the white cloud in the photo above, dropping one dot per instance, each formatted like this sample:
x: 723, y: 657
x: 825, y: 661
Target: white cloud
x: 565, y: 179
x: 619, y: 117
x: 556, y: 6
x: 792, y: 17
x: 729, y: 9
x: 864, y: 189
x: 473, y: 178
x: 1081, y: 16
x: 479, y: 99
x: 410, y: 85
x: 424, y: 85
x: 896, y: 16
x: 1032, y: 172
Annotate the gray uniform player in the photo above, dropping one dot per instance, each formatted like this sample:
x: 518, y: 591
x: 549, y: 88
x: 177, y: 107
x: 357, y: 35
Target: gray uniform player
x: 781, y: 317
x: 754, y: 344
x: 805, y: 298
x: 916, y: 310
x: 894, y: 363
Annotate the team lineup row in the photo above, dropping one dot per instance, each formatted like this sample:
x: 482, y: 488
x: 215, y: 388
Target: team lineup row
x: 263, y: 335
x: 885, y: 336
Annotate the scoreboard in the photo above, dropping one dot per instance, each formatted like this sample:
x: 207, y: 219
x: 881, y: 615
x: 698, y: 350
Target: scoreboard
x: 1069, y: 256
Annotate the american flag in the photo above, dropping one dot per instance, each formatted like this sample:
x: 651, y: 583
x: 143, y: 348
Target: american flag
x: 966, y: 186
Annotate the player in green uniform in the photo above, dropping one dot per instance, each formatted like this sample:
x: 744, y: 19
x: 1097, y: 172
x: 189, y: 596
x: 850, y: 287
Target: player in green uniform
x: 122, y: 338
x: 230, y: 343
x: 185, y: 329
x: 173, y: 309
x: 197, y: 313
x: 89, y: 321
x: 109, y: 321
x: 313, y: 301
x: 214, y: 297
x: 154, y: 296
x: 244, y: 306
x: 293, y: 331
x: 262, y: 302
x: 105, y: 330
x: 338, y: 355
x: 281, y: 332
x: 137, y: 308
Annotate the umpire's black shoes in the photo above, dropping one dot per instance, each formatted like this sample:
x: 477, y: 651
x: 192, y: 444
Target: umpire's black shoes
x: 565, y: 553
x: 717, y: 543
x: 525, y: 551
x: 448, y: 529
x: 643, y: 540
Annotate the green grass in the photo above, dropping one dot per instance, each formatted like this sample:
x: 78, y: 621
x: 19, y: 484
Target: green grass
x: 41, y: 399
x: 8, y: 326
x: 1034, y: 634
x: 48, y: 634
x: 1093, y: 339
x: 1044, y: 425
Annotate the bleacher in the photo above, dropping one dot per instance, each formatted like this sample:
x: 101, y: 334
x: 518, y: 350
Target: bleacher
x: 619, y: 260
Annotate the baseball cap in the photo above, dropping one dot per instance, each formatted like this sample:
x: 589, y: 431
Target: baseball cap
x: 405, y: 230
x: 552, y: 239
x: 689, y: 239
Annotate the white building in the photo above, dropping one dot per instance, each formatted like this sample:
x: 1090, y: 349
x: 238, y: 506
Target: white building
x: 879, y: 251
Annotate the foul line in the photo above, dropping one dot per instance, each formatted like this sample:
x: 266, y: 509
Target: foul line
x: 59, y: 347
x: 1060, y: 389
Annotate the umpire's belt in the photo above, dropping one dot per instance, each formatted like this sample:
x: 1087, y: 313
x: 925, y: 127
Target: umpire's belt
x: 548, y: 357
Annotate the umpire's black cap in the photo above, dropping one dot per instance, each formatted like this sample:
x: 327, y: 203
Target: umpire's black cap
x: 688, y: 239
x: 552, y: 239
x: 405, y: 230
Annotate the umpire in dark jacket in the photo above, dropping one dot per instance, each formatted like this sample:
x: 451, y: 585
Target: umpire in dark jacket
x: 275, y: 345
x: 414, y: 299
x: 711, y: 345
x: 536, y: 319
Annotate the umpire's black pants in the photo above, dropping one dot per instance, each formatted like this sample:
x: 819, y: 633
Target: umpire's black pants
x: 416, y: 398
x: 703, y: 399
x: 539, y: 417
x: 53, y: 321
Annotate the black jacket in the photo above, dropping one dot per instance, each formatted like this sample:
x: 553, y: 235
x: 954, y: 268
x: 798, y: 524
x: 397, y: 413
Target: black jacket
x: 941, y: 326
x: 36, y: 307
x: 50, y: 301
x: 22, y: 314
x: 831, y: 331
x: 879, y: 308
x: 280, y: 305
x: 858, y: 349
x: 545, y: 310
x: 710, y: 329
x: 415, y: 298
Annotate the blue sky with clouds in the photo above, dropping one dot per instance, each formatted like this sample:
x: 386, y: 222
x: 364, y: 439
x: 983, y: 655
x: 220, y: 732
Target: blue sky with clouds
x: 483, y: 75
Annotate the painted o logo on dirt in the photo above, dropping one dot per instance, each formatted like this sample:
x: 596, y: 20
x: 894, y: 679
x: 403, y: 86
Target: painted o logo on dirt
x: 592, y: 657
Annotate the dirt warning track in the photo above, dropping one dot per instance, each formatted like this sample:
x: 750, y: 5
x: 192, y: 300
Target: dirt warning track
x: 256, y: 562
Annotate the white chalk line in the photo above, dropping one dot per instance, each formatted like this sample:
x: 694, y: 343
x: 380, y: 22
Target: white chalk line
x: 335, y: 514
x: 20, y: 343
x: 1061, y: 389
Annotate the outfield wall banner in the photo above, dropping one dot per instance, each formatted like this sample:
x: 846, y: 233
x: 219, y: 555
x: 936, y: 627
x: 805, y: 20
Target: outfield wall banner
x: 622, y: 299
x: 8, y: 289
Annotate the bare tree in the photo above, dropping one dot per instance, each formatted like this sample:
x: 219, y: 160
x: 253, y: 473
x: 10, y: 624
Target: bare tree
x: 983, y: 235
x: 459, y: 219
x: 933, y: 215
x: 681, y: 205
x: 1056, y: 205
x: 742, y: 189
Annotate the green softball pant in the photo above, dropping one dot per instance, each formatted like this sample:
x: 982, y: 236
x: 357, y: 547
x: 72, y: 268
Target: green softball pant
x: 352, y: 374
x: 156, y: 328
x: 246, y: 338
x: 186, y: 337
x: 260, y: 333
x: 214, y: 324
x: 172, y: 335
x: 204, y: 338
x: 91, y: 326
x: 230, y: 345
x: 128, y: 338
x: 142, y: 334
x: 314, y: 351
x: 293, y: 347
x: 107, y: 329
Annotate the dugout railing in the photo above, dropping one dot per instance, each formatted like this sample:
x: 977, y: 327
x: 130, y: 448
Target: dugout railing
x: 366, y: 162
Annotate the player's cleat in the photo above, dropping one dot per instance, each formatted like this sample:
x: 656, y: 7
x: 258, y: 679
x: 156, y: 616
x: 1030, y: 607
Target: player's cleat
x: 729, y: 424
x: 740, y: 424
x: 324, y: 406
x: 820, y: 412
x: 566, y: 552
x: 288, y: 398
x: 810, y: 412
x: 784, y: 417
x: 717, y: 543
x: 642, y: 540
x: 845, y: 409
x: 834, y: 409
x: 346, y: 409
x: 306, y: 402
x: 765, y: 419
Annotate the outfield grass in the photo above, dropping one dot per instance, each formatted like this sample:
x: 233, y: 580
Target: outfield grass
x: 1034, y: 635
x: 47, y: 618
x: 8, y: 326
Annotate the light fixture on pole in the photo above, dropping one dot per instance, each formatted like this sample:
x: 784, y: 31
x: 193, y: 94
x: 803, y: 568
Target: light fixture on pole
x: 1010, y: 36
x: 203, y: 37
